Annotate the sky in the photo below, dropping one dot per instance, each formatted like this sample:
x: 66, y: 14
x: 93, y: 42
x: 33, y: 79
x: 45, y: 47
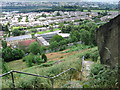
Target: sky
x: 68, y: 0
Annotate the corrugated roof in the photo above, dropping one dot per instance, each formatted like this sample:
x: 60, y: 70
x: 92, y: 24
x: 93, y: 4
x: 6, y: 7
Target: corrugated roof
x: 43, y: 41
x: 18, y: 37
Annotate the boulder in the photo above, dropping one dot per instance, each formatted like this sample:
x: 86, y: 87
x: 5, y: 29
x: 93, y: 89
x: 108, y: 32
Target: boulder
x: 107, y: 37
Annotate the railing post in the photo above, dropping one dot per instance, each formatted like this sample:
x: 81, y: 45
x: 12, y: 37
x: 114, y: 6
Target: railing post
x: 52, y: 81
x: 13, y: 82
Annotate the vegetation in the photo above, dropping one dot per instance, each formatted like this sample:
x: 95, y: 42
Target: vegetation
x: 42, y: 32
x: 9, y: 54
x: 103, y: 76
x: 49, y: 69
x: 35, y: 48
x: 84, y: 32
x: 32, y: 59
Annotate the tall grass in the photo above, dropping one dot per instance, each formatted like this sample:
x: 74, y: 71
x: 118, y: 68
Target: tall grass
x: 25, y: 81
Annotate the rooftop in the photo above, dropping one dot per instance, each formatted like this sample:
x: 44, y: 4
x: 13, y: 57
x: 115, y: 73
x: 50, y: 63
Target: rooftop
x: 18, y: 37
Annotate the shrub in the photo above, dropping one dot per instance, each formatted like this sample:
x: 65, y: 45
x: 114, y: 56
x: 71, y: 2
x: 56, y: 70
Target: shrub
x: 87, y: 55
x: 34, y: 48
x: 29, y: 60
x: 103, y: 76
x: 32, y: 59
x: 3, y: 66
x: 44, y: 57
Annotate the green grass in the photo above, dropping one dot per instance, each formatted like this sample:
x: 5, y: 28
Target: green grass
x: 42, y: 32
x: 17, y: 65
x: 18, y: 27
x: 77, y: 48
x: 25, y: 81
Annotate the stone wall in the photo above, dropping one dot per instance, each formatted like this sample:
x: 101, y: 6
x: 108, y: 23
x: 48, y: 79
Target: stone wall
x: 107, y: 41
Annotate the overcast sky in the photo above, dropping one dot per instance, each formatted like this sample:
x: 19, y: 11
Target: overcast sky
x: 68, y: 0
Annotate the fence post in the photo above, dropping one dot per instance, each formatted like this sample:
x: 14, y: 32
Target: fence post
x: 13, y: 82
x: 52, y: 81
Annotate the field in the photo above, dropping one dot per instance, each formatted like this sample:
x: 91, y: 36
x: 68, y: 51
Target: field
x: 42, y: 32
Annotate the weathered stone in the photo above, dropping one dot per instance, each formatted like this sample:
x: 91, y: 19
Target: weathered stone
x: 107, y: 41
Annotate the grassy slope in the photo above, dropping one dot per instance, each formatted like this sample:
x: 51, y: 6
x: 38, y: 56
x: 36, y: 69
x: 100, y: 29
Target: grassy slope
x: 71, y: 61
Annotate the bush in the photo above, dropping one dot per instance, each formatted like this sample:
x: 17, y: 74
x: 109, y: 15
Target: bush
x: 103, y: 76
x: 87, y: 55
x: 3, y: 66
x: 44, y: 57
x: 34, y: 48
x: 93, y: 55
x: 9, y: 54
x: 32, y: 59
x: 29, y: 60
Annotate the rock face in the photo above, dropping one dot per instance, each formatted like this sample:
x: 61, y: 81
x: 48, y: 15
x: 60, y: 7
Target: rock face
x: 107, y: 41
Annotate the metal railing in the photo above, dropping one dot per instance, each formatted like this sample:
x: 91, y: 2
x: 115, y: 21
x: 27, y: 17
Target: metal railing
x: 51, y: 78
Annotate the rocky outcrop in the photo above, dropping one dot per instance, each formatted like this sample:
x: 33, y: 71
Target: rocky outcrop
x: 107, y: 41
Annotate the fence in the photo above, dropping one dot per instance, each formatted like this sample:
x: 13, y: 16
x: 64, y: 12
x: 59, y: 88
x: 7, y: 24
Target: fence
x: 51, y: 78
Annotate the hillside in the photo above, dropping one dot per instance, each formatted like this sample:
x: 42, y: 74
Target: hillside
x: 62, y: 61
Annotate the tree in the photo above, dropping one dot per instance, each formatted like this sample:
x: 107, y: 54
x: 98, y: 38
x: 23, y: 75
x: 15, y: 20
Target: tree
x: 27, y: 19
x: 17, y: 53
x: 54, y: 46
x: 58, y: 14
x: 75, y: 36
x: 16, y: 32
x: 6, y: 28
x: 22, y: 32
x: 7, y: 54
x: 34, y: 48
x: 33, y: 30
x: 84, y: 36
x: 4, y: 67
x: 43, y: 15
x: 4, y: 44
x: 56, y: 38
x: 44, y: 57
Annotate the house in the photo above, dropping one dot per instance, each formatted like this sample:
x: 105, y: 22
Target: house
x: 42, y: 41
x: 14, y: 40
x: 26, y: 42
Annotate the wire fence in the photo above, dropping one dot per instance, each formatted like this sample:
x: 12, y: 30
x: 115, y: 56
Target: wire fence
x: 50, y: 78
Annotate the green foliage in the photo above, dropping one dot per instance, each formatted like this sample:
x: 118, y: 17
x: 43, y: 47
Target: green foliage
x: 33, y: 30
x: 67, y: 29
x: 56, y: 38
x: 5, y: 68
x: 9, y: 54
x: 16, y: 32
x: 57, y: 43
x: 34, y: 48
x: 27, y: 19
x: 58, y: 14
x: 43, y: 15
x: 50, y: 69
x: 92, y: 55
x: 32, y: 59
x: 44, y: 57
x: 22, y: 32
x: 102, y: 76
x: 29, y: 60
x: 4, y: 44
x: 54, y: 46
x: 84, y: 32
